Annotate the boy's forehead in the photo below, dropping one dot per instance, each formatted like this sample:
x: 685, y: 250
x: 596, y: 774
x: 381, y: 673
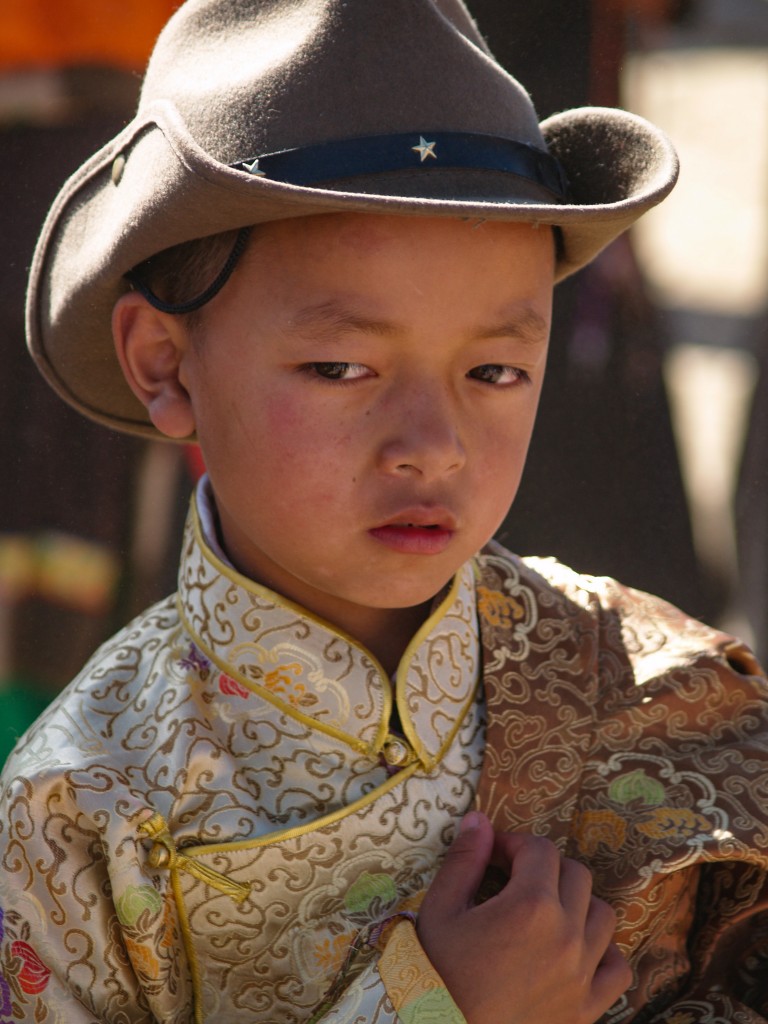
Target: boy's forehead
x: 376, y: 274
x: 356, y: 231
x: 365, y: 233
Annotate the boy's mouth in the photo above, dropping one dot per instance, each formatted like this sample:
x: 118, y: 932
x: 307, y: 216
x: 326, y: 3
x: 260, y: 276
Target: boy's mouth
x: 426, y: 532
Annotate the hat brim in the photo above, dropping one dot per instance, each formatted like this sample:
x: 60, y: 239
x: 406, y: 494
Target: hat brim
x: 171, y: 191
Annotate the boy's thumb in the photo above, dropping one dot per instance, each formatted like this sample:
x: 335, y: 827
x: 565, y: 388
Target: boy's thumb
x: 463, y: 867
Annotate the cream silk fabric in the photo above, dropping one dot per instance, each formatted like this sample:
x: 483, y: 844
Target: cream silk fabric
x: 214, y: 824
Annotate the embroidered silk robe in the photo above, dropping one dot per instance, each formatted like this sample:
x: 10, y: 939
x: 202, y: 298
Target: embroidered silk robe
x: 215, y: 822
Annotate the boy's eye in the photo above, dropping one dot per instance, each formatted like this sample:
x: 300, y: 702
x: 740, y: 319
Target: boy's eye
x: 338, y: 371
x: 496, y: 373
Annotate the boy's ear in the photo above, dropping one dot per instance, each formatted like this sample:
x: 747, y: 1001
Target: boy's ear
x: 150, y: 346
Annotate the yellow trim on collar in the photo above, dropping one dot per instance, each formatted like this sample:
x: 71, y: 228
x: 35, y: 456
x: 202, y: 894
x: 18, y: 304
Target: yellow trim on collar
x: 389, y: 694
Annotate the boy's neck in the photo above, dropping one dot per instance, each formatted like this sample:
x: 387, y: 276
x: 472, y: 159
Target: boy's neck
x: 386, y: 632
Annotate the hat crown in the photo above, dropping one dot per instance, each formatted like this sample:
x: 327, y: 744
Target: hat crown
x: 260, y: 76
x: 256, y: 110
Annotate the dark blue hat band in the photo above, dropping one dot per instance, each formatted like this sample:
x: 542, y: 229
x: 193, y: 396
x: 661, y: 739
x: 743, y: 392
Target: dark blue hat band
x: 377, y: 154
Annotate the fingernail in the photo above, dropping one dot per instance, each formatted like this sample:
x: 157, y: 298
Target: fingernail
x: 470, y: 821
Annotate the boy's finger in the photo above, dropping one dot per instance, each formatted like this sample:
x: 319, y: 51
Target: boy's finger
x: 611, y: 979
x: 576, y: 890
x: 600, y: 925
x: 459, y: 877
x: 506, y: 845
x: 532, y: 861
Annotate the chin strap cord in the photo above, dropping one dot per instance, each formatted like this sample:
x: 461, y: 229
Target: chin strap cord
x: 179, y: 308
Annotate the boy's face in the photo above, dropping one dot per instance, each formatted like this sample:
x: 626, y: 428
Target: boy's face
x: 364, y: 392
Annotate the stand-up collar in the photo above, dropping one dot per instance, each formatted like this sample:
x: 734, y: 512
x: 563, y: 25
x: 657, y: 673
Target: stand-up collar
x: 266, y: 645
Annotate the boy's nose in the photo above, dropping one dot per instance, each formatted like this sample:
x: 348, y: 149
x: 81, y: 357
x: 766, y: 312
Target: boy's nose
x: 423, y: 437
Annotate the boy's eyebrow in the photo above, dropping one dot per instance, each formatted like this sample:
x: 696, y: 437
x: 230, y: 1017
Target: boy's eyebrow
x: 524, y: 324
x: 334, y: 317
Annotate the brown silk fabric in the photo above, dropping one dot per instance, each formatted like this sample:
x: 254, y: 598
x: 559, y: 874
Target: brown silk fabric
x: 635, y: 738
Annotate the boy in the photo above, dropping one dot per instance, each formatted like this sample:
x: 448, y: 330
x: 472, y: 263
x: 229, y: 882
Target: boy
x: 233, y: 814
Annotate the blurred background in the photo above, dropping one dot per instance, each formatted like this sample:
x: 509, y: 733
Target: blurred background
x: 649, y: 461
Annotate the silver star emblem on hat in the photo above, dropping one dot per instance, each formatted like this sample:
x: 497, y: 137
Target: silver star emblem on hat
x: 425, y: 149
x: 255, y: 169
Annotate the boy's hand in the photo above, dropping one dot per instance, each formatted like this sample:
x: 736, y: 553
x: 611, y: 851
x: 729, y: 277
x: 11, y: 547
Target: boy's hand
x: 539, y: 952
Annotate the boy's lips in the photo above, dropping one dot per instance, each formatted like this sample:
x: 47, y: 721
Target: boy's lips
x: 418, y: 531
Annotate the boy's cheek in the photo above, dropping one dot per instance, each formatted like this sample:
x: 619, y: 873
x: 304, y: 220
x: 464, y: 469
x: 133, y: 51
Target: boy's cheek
x: 299, y: 441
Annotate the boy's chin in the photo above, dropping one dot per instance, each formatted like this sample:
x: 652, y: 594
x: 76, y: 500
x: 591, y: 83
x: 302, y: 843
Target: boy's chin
x: 411, y: 598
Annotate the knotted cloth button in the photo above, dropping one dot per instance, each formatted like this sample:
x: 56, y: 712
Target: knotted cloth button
x: 396, y: 751
x: 163, y: 854
x: 159, y: 856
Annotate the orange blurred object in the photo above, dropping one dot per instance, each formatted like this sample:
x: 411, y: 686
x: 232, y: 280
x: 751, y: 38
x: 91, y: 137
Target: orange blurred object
x: 194, y: 460
x: 62, y: 33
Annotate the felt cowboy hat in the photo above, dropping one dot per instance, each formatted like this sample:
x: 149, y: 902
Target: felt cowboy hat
x: 256, y: 110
